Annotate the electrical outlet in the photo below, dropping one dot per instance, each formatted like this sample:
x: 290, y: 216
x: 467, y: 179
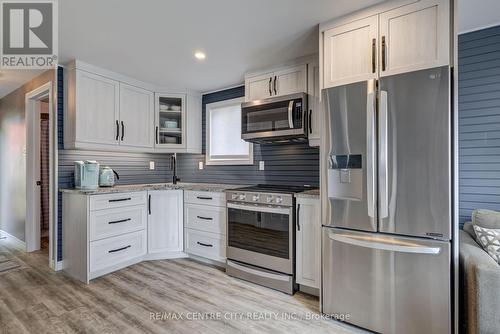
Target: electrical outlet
x: 261, y: 165
x: 200, y: 165
x: 151, y: 165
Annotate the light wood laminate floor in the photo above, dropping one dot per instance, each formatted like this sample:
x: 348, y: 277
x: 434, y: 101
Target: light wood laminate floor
x: 34, y: 299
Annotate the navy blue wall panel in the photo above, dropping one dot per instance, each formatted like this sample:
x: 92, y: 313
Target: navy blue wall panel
x: 479, y: 120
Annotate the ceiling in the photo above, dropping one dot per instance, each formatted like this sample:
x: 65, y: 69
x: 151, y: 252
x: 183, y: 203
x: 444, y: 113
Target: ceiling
x: 155, y: 40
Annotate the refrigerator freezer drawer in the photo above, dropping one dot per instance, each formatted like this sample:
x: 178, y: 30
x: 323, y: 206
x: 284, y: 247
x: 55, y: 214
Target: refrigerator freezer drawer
x: 387, y: 284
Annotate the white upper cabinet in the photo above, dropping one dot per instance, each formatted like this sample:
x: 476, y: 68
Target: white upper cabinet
x: 394, y: 37
x: 259, y: 87
x: 165, y: 221
x: 290, y: 80
x: 282, y: 81
x: 92, y: 112
x: 136, y: 117
x: 107, y: 111
x: 415, y: 36
x: 314, y: 104
x: 349, y: 52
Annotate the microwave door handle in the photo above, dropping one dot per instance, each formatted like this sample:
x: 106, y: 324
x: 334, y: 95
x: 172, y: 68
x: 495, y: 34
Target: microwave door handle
x: 290, y: 114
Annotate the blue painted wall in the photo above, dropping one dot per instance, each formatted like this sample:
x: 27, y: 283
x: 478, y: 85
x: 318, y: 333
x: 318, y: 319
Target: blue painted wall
x: 479, y: 120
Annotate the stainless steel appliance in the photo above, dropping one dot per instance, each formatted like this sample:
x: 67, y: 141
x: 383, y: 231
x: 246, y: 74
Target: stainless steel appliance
x: 260, y: 228
x: 387, y: 209
x: 276, y: 119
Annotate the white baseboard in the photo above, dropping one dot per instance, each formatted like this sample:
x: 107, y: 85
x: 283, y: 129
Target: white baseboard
x: 309, y: 290
x: 56, y: 265
x: 164, y: 256
x: 18, y: 243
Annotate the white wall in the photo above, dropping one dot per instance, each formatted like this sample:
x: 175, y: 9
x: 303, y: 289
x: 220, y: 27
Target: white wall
x: 13, y: 157
x: 477, y: 14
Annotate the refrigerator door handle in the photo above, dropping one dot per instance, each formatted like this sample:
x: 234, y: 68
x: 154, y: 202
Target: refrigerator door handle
x: 371, y: 149
x: 381, y: 243
x: 383, y: 150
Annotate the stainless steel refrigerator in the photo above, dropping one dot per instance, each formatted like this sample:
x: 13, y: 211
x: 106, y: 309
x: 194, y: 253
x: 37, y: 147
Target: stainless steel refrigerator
x: 387, y: 211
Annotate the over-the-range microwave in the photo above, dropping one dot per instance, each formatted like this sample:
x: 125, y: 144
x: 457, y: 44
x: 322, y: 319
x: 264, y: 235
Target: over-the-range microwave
x: 275, y: 120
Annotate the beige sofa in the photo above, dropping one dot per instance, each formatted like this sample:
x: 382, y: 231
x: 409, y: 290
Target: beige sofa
x: 479, y: 287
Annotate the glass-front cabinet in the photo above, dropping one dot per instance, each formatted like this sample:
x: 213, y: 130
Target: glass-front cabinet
x: 170, y: 121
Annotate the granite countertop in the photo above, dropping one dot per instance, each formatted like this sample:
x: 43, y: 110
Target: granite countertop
x: 153, y: 186
x: 313, y: 193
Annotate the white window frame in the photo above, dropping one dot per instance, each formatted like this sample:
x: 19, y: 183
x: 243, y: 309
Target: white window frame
x: 224, y: 160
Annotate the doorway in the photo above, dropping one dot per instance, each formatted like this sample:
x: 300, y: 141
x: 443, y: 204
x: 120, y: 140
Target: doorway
x: 41, y: 173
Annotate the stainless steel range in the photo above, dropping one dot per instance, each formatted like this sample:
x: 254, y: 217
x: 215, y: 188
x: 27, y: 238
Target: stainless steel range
x: 261, y: 238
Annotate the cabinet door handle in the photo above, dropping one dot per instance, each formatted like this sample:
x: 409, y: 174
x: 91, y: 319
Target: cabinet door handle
x: 310, y: 119
x: 149, y: 204
x: 123, y: 130
x: 202, y: 244
x: 157, y: 134
x: 384, y: 46
x: 117, y: 130
x: 374, y: 54
x: 119, y: 221
x: 119, y: 249
x: 274, y: 85
x: 204, y: 218
x: 297, y: 218
x: 119, y: 200
x: 269, y: 85
x: 202, y: 197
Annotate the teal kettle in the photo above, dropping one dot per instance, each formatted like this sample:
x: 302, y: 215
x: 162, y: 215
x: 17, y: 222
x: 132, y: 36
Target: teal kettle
x: 107, y: 177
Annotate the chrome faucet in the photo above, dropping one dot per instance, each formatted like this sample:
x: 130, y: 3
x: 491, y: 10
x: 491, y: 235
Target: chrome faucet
x: 173, y: 167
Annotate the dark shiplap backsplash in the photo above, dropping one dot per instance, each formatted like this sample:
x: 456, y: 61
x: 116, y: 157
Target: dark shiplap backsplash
x: 479, y: 120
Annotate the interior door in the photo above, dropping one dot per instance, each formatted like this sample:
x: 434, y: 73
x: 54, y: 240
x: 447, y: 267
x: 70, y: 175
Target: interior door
x: 290, y: 80
x: 136, y: 117
x: 259, y: 87
x: 351, y: 152
x: 350, y: 52
x: 97, y: 101
x: 415, y: 36
x: 386, y: 284
x: 165, y: 221
x: 414, y: 154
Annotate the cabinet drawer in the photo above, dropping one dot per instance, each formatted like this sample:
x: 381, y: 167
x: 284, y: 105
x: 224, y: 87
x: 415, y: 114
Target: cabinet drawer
x: 206, y: 218
x: 205, y: 198
x: 117, y: 200
x: 208, y: 245
x: 109, y: 252
x: 112, y: 222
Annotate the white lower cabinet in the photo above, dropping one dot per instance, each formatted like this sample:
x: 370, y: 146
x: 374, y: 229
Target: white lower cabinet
x: 165, y: 221
x: 106, y: 232
x: 308, y: 242
x: 205, y: 225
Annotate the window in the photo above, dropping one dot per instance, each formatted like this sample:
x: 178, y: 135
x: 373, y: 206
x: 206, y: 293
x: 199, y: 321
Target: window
x: 224, y: 143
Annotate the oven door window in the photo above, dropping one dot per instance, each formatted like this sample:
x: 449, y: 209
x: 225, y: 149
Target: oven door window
x: 272, y: 117
x: 260, y: 232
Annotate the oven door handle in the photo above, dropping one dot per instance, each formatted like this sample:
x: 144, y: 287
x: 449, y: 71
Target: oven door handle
x: 285, y: 211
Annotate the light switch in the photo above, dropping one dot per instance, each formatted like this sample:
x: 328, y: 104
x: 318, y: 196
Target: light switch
x: 200, y: 165
x: 261, y: 165
x: 151, y: 165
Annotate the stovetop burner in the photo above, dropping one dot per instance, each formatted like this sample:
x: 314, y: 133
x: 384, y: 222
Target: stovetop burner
x: 274, y: 188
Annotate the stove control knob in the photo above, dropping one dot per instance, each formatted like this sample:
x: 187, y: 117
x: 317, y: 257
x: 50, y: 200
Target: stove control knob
x: 269, y: 199
x: 242, y: 197
x: 234, y: 196
x: 255, y: 198
x: 279, y: 200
